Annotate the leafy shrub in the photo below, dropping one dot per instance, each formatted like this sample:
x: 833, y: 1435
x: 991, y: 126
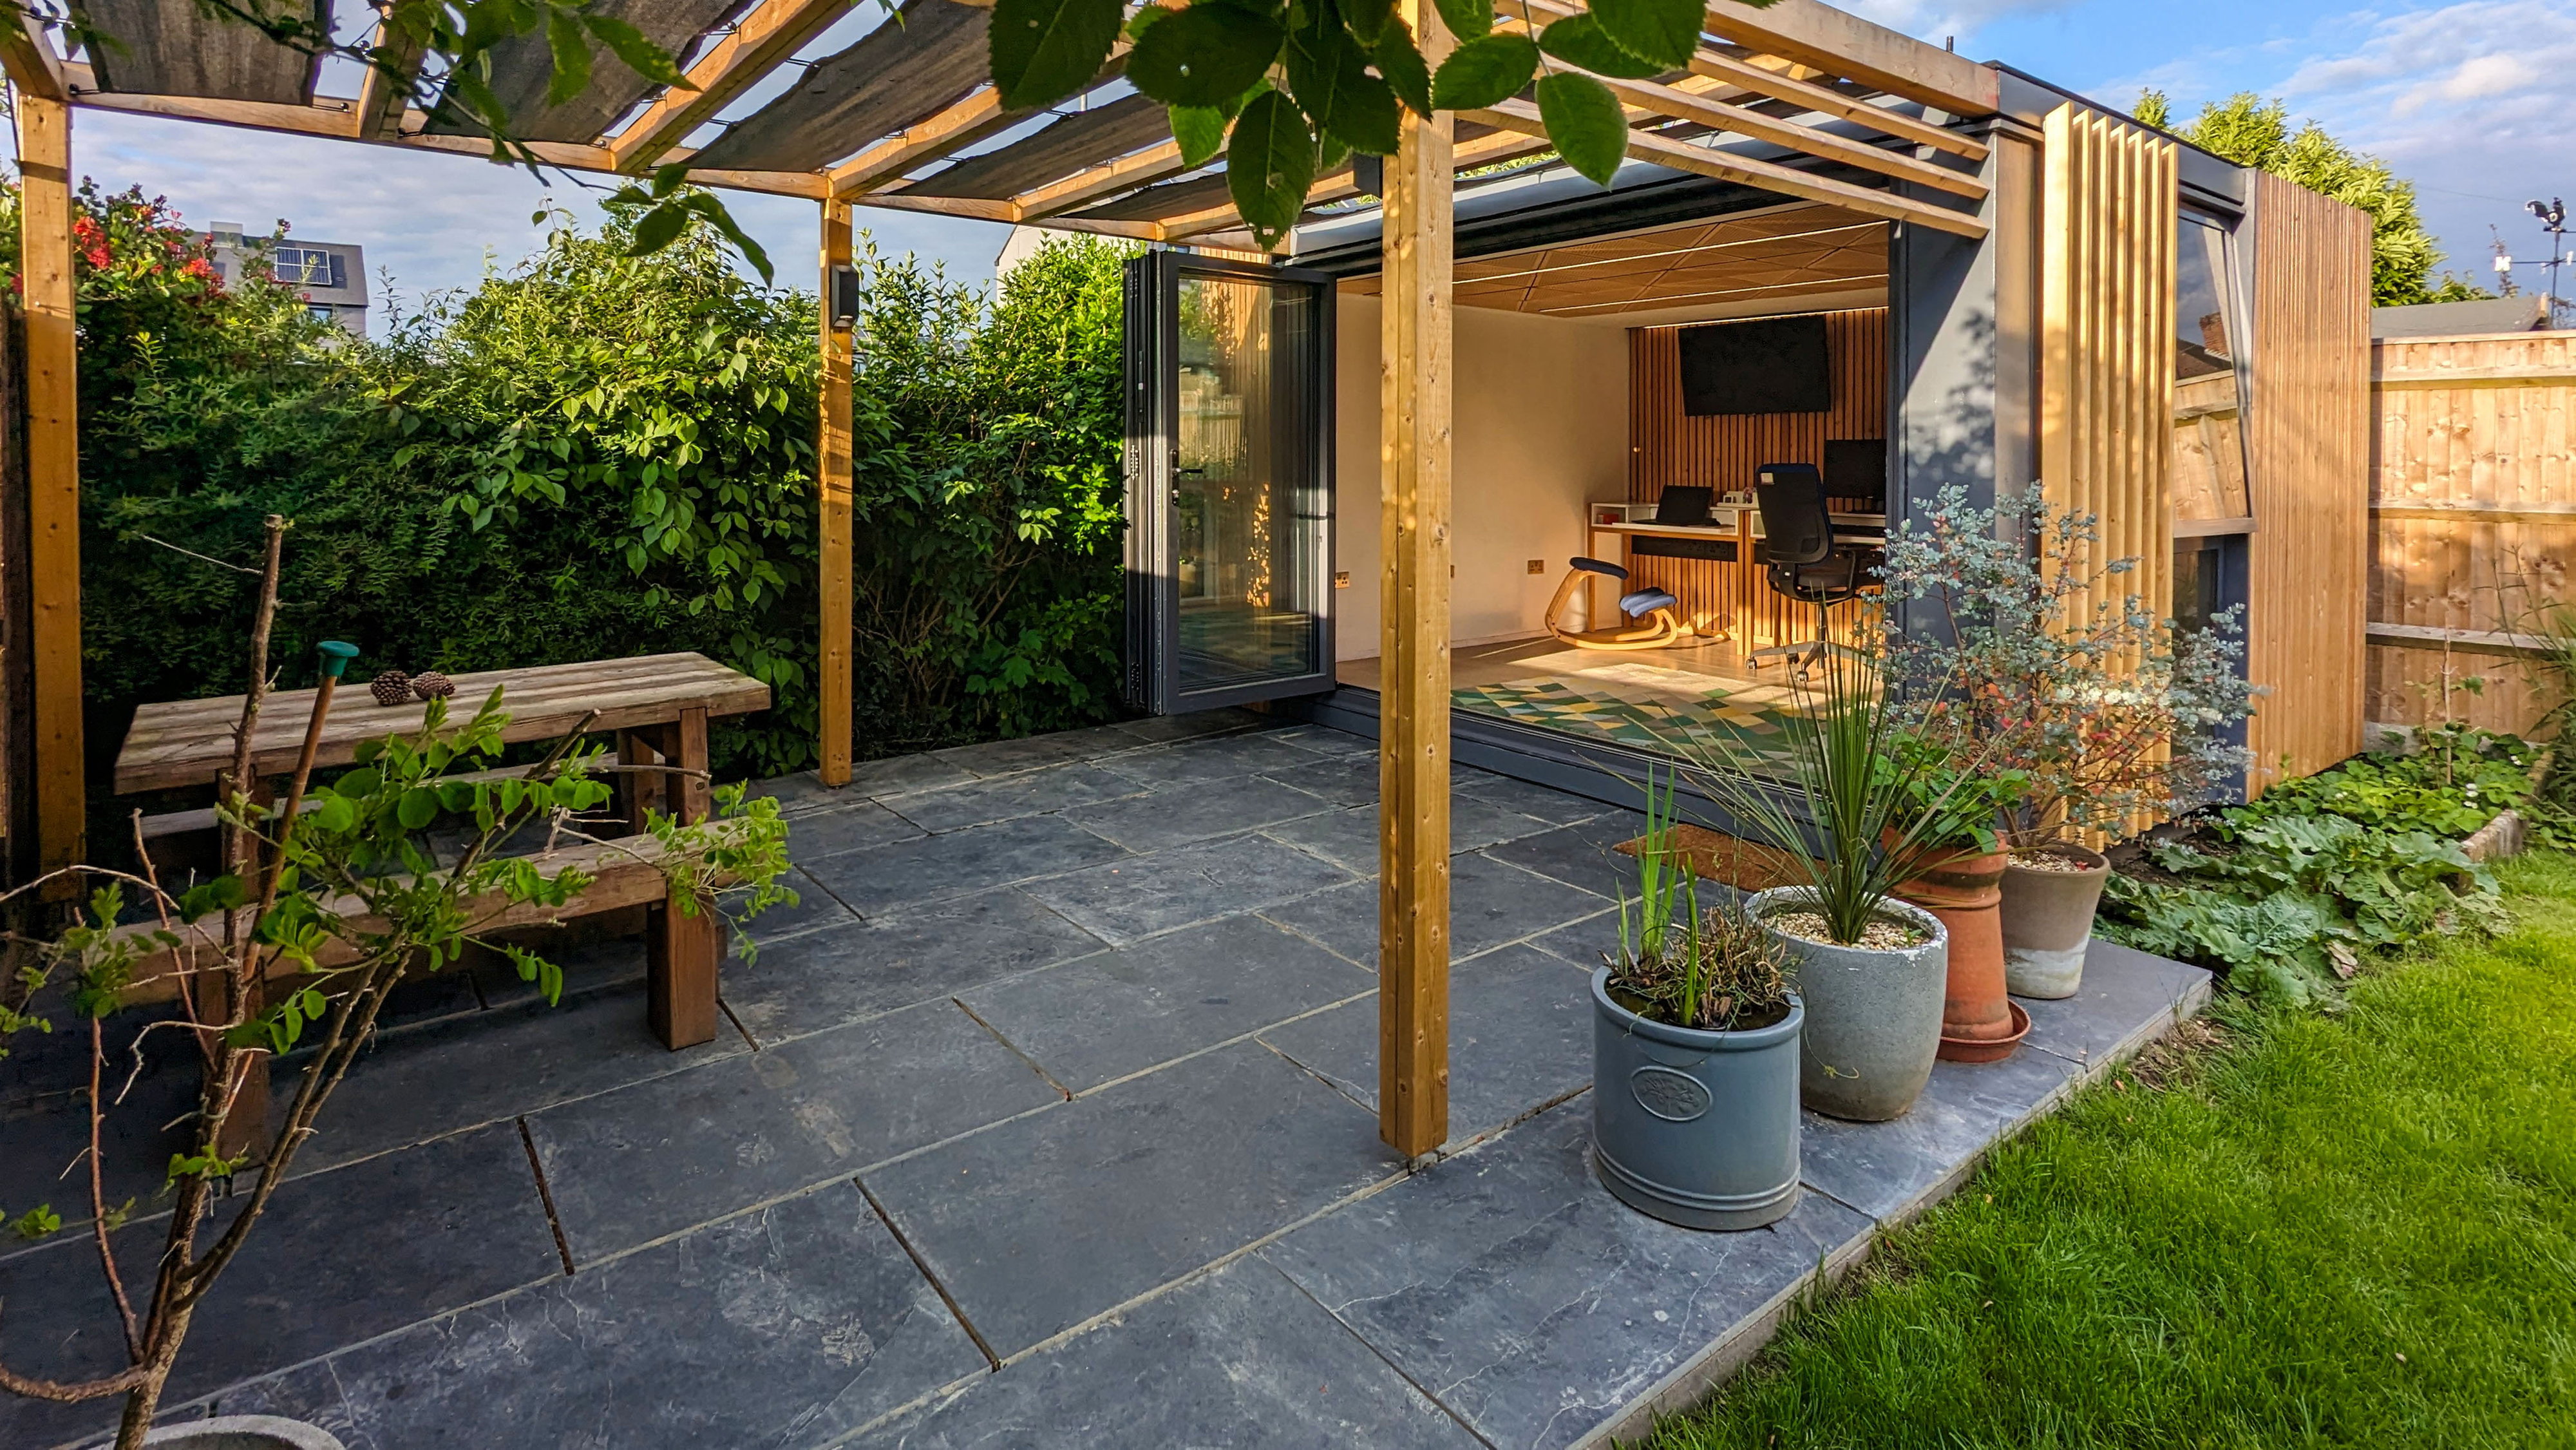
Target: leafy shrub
x: 594, y: 454
x: 2285, y: 894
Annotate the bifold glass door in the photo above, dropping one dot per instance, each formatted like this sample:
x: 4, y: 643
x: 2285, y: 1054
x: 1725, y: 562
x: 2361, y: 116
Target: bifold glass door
x: 1229, y: 483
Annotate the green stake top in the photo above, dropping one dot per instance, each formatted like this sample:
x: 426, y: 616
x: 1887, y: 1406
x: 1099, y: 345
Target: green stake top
x: 336, y: 657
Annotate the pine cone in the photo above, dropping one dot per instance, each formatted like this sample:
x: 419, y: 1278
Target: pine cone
x: 431, y: 685
x: 393, y: 687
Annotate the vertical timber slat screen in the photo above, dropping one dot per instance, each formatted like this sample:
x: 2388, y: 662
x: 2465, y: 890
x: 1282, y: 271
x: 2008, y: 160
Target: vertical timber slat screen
x: 2309, y: 553
x: 2106, y: 375
x: 2473, y: 487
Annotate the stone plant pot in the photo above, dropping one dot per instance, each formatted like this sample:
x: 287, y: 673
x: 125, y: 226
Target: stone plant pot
x: 2047, y: 918
x: 1873, y: 1017
x: 1695, y: 1128
x: 242, y: 1432
x: 1965, y: 889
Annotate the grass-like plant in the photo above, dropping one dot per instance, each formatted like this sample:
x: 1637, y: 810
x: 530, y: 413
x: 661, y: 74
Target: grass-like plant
x: 1713, y: 970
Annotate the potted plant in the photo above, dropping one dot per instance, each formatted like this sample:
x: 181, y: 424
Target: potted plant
x: 1694, y: 1053
x: 2030, y: 647
x: 1955, y: 870
x: 328, y: 910
x: 1828, y: 794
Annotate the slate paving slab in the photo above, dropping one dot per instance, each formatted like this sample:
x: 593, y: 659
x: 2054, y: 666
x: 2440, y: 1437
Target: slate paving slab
x: 1043, y: 1222
x: 1581, y: 854
x: 816, y: 907
x: 339, y: 1257
x: 1891, y: 1170
x: 913, y: 954
x: 44, y: 1114
x: 1239, y: 1359
x: 2126, y: 999
x: 1345, y: 780
x: 1142, y: 895
x: 1030, y: 752
x: 1520, y: 1037
x: 850, y: 825
x: 960, y: 863
x: 1349, y: 838
x: 1180, y: 815
x: 1490, y: 903
x: 784, y: 1328
x: 1029, y: 793
x: 490, y: 1067
x: 1514, y: 1289
x: 1212, y: 759
x: 1123, y: 1011
x: 1325, y: 740
x: 630, y: 1166
x: 897, y: 773
x: 1553, y: 806
x: 1159, y: 728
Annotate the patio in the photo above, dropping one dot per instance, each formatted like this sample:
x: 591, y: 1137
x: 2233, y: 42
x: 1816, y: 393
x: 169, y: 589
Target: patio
x: 1047, y: 1118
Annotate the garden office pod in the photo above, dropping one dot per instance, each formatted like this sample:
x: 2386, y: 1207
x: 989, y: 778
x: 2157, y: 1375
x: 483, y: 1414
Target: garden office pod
x: 2172, y: 343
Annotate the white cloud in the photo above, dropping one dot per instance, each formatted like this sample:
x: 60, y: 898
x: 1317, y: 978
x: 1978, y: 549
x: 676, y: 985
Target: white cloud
x: 1935, y: 19
x: 433, y: 219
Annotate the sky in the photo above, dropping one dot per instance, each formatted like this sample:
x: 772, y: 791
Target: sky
x: 2456, y: 96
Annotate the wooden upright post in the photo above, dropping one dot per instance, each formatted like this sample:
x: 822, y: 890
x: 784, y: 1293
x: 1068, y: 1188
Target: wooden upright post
x: 832, y: 479
x: 53, y: 473
x: 1413, y: 736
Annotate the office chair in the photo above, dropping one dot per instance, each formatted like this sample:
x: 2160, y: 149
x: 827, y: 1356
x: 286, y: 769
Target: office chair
x: 1654, y: 620
x: 1801, y: 559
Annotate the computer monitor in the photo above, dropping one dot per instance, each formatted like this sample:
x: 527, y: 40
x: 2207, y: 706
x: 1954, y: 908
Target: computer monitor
x: 1683, y: 505
x: 1856, y: 468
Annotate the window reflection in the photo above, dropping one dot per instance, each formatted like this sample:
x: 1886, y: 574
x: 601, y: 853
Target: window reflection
x: 2209, y: 432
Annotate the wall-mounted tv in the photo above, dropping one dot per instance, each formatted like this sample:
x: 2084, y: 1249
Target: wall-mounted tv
x: 1763, y: 365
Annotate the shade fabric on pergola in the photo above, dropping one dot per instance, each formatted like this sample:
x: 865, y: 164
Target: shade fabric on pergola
x: 1797, y: 99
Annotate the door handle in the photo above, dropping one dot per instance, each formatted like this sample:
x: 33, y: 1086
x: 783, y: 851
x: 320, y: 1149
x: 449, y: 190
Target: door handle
x: 1188, y: 472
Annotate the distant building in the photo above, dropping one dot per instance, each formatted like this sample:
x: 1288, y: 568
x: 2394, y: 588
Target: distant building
x: 2527, y: 312
x: 331, y: 275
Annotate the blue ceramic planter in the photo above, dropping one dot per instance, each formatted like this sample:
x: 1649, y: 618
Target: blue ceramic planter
x: 1696, y: 1128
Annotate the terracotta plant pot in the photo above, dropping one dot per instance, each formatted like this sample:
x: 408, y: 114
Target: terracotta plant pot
x: 1873, y: 1015
x: 2047, y: 920
x: 1695, y: 1128
x: 1964, y: 888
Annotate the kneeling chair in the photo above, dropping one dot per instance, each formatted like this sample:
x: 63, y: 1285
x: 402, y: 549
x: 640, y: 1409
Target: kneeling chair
x: 1653, y: 618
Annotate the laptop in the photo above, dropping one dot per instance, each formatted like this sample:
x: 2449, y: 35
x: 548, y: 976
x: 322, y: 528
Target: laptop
x: 1684, y: 505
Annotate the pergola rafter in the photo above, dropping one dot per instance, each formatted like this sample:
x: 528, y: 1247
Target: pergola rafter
x: 1797, y: 99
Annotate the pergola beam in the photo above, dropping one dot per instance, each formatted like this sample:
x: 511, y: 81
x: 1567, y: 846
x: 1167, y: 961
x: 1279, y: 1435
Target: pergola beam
x: 386, y: 92
x: 1841, y: 44
x: 1645, y: 146
x: 28, y: 55
x: 764, y: 38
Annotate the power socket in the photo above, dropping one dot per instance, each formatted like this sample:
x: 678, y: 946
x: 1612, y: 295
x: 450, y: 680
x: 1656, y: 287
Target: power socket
x: 1538, y: 566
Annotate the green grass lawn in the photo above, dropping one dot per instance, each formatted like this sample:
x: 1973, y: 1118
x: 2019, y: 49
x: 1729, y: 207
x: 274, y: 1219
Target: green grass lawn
x: 2350, y: 1229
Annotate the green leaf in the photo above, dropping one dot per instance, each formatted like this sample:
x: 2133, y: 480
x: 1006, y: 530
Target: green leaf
x: 571, y: 57
x: 1366, y: 18
x: 642, y: 56
x: 1580, y: 40
x: 1329, y: 76
x: 658, y: 228
x: 1467, y: 19
x: 1663, y: 31
x: 336, y: 814
x: 359, y: 783
x: 1483, y: 72
x: 1205, y: 55
x: 1201, y: 132
x: 1400, y: 63
x: 1585, y: 123
x: 419, y: 807
x: 710, y: 206
x: 1045, y: 50
x: 1269, y: 165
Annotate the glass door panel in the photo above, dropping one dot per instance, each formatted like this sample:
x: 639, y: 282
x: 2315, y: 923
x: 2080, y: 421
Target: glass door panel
x: 1229, y: 488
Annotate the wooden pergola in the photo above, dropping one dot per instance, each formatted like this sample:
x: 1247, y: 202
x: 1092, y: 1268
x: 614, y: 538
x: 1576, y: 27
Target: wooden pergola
x: 1798, y: 99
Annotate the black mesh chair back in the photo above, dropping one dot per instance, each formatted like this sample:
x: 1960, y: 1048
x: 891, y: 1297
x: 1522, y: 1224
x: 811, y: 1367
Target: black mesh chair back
x: 1796, y: 527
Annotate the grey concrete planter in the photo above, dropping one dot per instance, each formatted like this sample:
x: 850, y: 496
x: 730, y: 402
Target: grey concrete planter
x: 1873, y: 1017
x: 243, y: 1432
x: 2047, y: 919
x: 1695, y: 1128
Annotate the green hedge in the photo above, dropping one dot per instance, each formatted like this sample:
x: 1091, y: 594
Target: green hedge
x: 594, y: 455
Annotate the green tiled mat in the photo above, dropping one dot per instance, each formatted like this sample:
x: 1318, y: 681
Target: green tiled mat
x: 1713, y: 721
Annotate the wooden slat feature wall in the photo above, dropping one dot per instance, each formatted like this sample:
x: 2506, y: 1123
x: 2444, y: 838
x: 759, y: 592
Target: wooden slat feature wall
x: 1667, y: 445
x: 2109, y: 205
x: 2473, y: 479
x: 2310, y: 438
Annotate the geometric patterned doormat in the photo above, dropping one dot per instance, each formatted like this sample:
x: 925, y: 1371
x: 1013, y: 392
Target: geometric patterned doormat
x: 1710, y: 720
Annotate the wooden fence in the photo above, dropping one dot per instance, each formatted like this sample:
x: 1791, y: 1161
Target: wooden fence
x: 2473, y: 503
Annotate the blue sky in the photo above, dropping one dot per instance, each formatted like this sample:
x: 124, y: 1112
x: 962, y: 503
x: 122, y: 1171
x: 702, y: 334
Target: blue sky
x: 2457, y: 96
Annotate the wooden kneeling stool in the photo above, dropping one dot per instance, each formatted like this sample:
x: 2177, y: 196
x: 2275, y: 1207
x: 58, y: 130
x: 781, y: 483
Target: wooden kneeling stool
x: 1654, y: 620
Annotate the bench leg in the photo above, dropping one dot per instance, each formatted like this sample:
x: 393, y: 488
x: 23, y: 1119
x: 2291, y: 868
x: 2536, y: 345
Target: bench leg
x: 635, y: 791
x: 681, y: 950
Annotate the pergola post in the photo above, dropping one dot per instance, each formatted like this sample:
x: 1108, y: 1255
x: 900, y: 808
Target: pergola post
x: 53, y: 473
x: 832, y: 484
x: 1413, y: 738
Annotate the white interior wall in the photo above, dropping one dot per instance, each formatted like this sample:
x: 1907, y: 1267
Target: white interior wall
x: 1540, y: 428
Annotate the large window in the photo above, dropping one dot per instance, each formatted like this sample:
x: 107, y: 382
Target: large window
x: 2209, y: 484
